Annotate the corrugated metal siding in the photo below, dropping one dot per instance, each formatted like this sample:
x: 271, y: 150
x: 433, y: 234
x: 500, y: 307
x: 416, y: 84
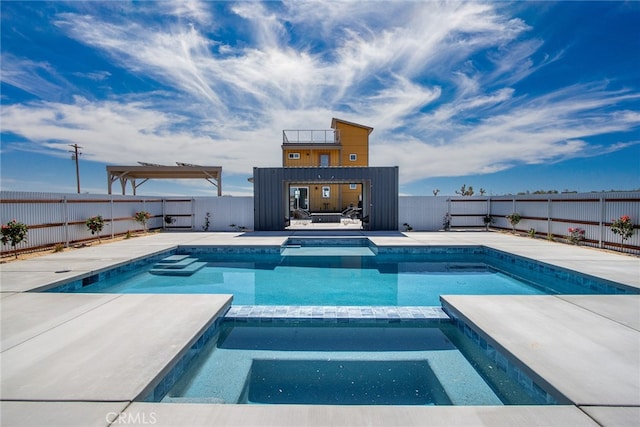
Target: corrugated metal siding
x: 59, y: 218
x: 545, y: 213
x: 224, y: 212
x: 617, y: 205
x: 380, y: 193
x: 384, y: 198
x: 422, y: 213
x: 269, y: 213
x: 181, y: 212
x: 468, y: 211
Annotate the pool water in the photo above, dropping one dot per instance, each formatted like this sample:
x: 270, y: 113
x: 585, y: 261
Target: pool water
x: 342, y: 365
x: 327, y: 279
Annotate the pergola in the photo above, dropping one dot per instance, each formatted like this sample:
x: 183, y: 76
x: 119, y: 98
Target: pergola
x: 147, y: 171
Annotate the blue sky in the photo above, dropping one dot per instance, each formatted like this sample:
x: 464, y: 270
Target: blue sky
x: 507, y: 97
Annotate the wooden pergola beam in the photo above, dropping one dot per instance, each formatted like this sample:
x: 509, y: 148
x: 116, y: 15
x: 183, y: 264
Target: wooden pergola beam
x: 212, y: 174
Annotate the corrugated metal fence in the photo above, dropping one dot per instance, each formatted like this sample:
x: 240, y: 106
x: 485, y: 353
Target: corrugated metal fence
x: 544, y: 215
x: 55, y: 218
x: 60, y: 218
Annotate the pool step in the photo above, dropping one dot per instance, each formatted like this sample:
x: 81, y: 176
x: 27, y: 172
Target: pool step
x: 177, y: 265
x: 185, y: 262
x: 174, y: 258
x: 186, y: 271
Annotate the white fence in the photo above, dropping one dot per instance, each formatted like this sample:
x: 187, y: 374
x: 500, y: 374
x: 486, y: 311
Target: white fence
x: 546, y: 215
x: 60, y: 218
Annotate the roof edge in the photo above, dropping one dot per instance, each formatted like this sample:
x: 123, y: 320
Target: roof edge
x: 336, y: 120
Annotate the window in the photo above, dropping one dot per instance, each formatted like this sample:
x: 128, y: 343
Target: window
x: 326, y: 192
x: 353, y: 186
x: 294, y: 156
x: 353, y: 157
x: 324, y: 160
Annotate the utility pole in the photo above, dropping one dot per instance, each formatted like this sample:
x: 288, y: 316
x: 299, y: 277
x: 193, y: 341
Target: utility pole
x: 75, y: 156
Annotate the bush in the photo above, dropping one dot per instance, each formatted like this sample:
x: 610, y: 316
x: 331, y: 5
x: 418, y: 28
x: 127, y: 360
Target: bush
x: 488, y: 220
x: 622, y: 226
x: 446, y: 222
x: 142, y: 217
x: 14, y: 233
x: 576, y: 234
x: 95, y: 224
x: 514, y: 219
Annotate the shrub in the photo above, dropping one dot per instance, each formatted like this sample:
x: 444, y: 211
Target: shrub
x: 142, y: 217
x: 488, y: 220
x: 446, y: 222
x: 576, y: 234
x: 14, y: 233
x: 622, y: 226
x: 95, y: 224
x: 514, y: 219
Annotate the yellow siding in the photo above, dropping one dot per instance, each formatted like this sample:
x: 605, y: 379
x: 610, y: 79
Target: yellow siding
x: 317, y: 203
x: 354, y: 139
x: 310, y: 157
x: 350, y: 197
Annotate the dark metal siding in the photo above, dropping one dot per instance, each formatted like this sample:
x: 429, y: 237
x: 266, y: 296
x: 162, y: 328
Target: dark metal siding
x: 268, y: 195
x: 384, y: 199
x: 380, y: 192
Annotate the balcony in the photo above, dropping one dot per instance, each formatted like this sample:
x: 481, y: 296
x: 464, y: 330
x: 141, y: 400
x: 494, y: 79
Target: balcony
x: 323, y: 136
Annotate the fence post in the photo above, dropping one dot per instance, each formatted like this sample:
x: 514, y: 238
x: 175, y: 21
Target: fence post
x: 111, y: 214
x: 163, y: 214
x: 549, y: 207
x: 601, y: 223
x: 65, y: 214
x: 193, y: 215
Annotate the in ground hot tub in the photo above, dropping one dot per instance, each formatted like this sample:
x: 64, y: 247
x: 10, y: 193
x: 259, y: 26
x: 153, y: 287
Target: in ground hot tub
x: 368, y: 364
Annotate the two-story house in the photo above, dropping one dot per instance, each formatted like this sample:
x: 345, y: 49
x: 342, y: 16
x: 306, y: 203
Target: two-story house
x: 345, y: 144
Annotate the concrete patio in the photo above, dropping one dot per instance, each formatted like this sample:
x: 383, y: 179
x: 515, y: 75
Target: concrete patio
x: 87, y: 359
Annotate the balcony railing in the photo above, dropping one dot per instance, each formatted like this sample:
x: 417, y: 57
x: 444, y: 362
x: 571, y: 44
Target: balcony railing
x: 323, y: 136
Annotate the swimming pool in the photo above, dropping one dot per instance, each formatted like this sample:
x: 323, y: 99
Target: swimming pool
x: 343, y: 272
x: 345, y: 365
x: 254, y: 359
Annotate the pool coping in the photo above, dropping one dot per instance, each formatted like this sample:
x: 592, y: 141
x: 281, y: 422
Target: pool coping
x: 335, y: 314
x: 25, y: 275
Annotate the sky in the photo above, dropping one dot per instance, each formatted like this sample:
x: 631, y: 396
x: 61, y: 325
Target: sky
x: 505, y: 97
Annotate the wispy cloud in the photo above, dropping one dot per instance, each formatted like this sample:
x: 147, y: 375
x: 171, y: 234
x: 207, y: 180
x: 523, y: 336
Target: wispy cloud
x: 540, y: 129
x: 437, y: 81
x: 38, y: 78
